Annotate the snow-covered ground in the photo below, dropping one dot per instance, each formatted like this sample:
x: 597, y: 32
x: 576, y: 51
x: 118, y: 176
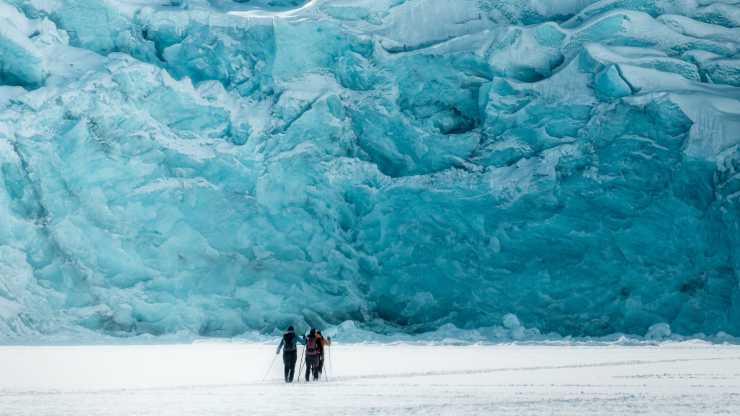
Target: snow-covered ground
x: 225, y: 379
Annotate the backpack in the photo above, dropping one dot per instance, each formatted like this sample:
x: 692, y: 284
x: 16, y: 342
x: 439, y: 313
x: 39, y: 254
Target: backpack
x: 312, y: 346
x: 289, y: 341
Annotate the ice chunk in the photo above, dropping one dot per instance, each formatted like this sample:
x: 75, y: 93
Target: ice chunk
x: 723, y: 71
x: 527, y: 55
x: 597, y: 55
x: 21, y: 63
x: 720, y: 13
x: 658, y: 331
x: 414, y: 25
x: 7, y: 93
x: 610, y: 84
x: 687, y: 26
x: 510, y: 321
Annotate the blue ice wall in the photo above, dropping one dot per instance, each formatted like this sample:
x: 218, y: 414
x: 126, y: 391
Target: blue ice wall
x: 212, y: 168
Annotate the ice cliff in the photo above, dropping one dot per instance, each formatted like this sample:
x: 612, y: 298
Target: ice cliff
x: 214, y: 167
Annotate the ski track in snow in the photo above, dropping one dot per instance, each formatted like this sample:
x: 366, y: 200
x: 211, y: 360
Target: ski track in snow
x: 225, y: 379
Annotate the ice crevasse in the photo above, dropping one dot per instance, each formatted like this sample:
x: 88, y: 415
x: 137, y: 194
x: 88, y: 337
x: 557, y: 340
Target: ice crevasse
x: 218, y: 167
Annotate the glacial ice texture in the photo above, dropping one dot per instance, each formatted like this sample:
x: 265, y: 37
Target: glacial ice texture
x: 212, y: 168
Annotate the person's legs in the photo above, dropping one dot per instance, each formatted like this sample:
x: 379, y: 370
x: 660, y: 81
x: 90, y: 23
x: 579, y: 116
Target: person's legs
x: 308, y: 366
x: 289, y: 359
x: 316, y: 369
x: 286, y: 365
x: 312, y: 366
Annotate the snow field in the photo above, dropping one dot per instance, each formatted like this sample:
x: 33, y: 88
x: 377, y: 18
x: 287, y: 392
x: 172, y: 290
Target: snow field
x: 225, y: 379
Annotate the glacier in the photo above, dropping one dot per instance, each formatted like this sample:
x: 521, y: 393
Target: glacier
x: 220, y: 167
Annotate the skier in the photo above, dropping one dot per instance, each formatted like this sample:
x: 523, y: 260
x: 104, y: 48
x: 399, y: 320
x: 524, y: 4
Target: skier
x: 312, y: 355
x: 323, y: 342
x: 290, y: 352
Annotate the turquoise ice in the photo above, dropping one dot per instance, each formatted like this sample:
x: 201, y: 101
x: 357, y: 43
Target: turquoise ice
x: 216, y: 167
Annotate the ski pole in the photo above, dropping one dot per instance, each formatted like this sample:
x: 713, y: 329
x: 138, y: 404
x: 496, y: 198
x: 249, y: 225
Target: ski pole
x: 326, y: 366
x: 269, y: 368
x: 300, y: 366
x: 328, y: 360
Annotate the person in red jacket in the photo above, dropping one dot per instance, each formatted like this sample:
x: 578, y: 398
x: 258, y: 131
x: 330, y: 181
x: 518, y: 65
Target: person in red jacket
x: 313, y: 354
x: 323, y: 342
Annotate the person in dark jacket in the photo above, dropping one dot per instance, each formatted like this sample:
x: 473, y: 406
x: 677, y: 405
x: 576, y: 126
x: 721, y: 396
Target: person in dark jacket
x: 290, y: 352
x: 313, y: 351
x: 323, y: 342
